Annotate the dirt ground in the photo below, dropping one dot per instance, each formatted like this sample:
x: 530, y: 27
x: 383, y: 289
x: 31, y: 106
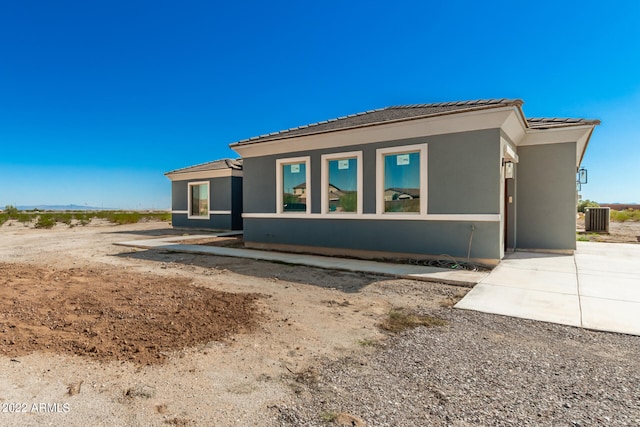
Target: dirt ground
x: 113, y: 315
x: 619, y: 232
x: 97, y: 334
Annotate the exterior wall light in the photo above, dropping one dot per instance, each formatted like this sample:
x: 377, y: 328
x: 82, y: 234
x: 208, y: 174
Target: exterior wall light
x: 582, y: 176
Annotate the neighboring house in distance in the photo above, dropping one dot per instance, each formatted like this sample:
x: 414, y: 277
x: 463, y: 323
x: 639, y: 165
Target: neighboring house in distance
x: 208, y: 195
x: 469, y: 179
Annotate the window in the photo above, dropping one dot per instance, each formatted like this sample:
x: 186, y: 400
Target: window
x: 293, y: 183
x: 402, y: 179
x: 198, y: 200
x: 342, y: 183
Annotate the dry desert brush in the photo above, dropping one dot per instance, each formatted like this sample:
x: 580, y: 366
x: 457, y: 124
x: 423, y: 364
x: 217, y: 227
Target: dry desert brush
x: 400, y: 319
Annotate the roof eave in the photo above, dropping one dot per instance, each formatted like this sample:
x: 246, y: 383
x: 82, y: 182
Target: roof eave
x: 284, y: 136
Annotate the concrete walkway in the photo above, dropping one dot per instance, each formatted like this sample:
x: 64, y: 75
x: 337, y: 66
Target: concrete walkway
x: 416, y: 272
x: 597, y: 288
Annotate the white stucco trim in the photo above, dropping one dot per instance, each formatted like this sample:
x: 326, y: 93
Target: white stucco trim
x: 424, y: 185
x: 508, y: 151
x: 387, y: 217
x: 182, y: 212
x: 279, y: 182
x: 189, y: 197
x: 464, y: 217
x: 325, y: 178
x: 220, y: 173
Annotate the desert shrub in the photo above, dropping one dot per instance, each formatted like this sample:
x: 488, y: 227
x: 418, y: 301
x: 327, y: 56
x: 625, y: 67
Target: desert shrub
x: 63, y: 217
x: 625, y: 215
x: 45, y: 221
x: 83, y: 218
x: 161, y: 216
x: 49, y: 219
x: 132, y: 217
x: 582, y: 204
x: 23, y: 217
x: 11, y: 211
x: 400, y: 319
x: 120, y: 217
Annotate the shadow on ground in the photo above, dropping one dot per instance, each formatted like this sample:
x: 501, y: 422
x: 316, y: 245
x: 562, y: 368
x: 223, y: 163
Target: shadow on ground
x: 163, y: 232
x: 345, y: 281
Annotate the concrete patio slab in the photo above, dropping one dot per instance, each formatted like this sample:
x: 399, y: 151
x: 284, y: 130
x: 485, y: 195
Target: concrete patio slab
x: 536, y: 261
x: 610, y: 315
x: 524, y: 303
x: 597, y: 288
x: 537, y: 279
x: 621, y: 288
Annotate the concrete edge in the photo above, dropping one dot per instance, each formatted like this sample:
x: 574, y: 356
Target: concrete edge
x: 435, y: 277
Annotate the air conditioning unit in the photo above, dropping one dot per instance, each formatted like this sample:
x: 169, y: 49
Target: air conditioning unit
x: 596, y: 219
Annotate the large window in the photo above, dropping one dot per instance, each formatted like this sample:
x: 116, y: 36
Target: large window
x: 342, y: 183
x: 402, y: 179
x: 199, y: 200
x: 294, y: 189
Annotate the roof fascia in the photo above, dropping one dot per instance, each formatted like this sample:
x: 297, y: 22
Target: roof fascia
x: 206, y: 174
x: 479, y: 119
x: 584, y: 147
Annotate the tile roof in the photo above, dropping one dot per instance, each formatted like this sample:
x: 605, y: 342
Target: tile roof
x: 552, y: 122
x: 407, y: 112
x: 381, y: 115
x: 210, y: 166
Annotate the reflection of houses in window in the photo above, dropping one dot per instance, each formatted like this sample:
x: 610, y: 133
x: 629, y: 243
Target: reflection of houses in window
x: 296, y: 202
x: 300, y: 189
x: 334, y: 194
x: 299, y: 193
x: 391, y: 194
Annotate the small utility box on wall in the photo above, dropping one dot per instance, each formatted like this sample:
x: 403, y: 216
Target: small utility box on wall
x: 508, y: 170
x: 596, y: 220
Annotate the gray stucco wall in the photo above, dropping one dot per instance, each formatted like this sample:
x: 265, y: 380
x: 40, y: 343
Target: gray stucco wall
x: 215, y: 222
x: 463, y: 178
x: 413, y: 237
x: 463, y: 174
x: 546, y: 197
x: 225, y: 195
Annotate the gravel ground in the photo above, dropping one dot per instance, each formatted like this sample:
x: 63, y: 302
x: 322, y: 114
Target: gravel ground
x: 318, y: 357
x: 480, y: 369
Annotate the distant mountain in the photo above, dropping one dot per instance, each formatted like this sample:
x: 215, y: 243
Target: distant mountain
x: 63, y: 208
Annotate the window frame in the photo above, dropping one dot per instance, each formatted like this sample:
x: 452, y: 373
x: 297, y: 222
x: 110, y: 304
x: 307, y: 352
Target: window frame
x: 190, y: 185
x: 381, y: 153
x: 279, y: 183
x: 324, y: 173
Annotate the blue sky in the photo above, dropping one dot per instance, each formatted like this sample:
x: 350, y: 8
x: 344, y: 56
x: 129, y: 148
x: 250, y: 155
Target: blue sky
x: 98, y: 99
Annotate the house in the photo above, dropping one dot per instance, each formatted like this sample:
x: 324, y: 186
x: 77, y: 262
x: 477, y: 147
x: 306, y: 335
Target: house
x: 469, y: 179
x: 207, y: 196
